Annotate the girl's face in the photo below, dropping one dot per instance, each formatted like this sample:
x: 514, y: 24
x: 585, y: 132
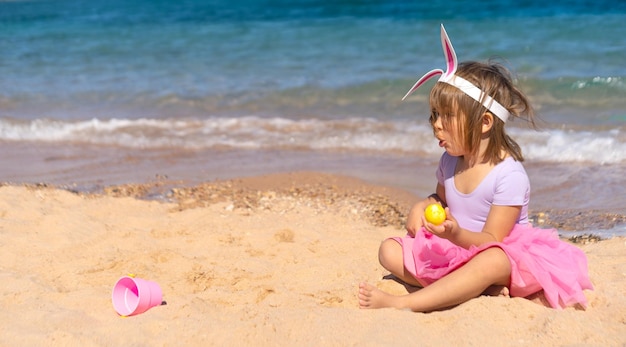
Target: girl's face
x: 448, y: 134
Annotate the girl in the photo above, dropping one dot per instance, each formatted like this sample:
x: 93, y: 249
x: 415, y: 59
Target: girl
x: 486, y: 244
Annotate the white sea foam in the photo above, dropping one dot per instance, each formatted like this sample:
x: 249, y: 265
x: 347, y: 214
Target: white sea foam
x: 353, y: 134
x: 603, y: 147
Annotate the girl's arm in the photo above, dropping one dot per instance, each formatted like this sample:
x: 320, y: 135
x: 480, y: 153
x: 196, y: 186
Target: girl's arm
x: 499, y: 224
x: 414, y: 221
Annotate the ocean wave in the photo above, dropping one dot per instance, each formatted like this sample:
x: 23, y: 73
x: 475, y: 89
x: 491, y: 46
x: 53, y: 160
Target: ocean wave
x: 608, y: 82
x: 351, y: 134
x: 571, y: 100
x: 602, y: 147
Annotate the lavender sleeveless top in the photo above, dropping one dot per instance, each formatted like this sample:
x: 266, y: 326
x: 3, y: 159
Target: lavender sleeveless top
x: 506, y: 185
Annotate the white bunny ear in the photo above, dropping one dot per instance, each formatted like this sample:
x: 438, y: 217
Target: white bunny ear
x: 448, y: 52
x: 451, y: 61
x: 422, y: 80
x: 462, y: 84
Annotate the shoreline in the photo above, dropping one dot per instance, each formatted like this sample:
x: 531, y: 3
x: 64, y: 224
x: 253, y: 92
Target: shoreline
x: 381, y: 205
x: 555, y: 186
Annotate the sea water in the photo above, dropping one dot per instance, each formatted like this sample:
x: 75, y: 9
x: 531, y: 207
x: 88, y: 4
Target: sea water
x: 104, y: 92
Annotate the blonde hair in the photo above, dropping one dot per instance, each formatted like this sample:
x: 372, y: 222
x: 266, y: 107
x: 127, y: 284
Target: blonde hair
x: 448, y: 102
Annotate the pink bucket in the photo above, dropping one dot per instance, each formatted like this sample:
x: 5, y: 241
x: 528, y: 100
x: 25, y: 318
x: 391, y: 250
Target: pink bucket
x: 133, y: 296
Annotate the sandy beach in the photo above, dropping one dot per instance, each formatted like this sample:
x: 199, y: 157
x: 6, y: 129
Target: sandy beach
x: 263, y: 261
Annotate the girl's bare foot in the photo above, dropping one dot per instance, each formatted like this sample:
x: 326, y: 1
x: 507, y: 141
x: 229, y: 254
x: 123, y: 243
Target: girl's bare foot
x: 372, y: 297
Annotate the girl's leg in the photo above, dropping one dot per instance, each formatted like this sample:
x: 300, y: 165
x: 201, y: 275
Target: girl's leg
x: 490, y: 267
x: 391, y: 258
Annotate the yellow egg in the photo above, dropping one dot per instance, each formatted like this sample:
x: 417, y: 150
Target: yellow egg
x: 435, y: 214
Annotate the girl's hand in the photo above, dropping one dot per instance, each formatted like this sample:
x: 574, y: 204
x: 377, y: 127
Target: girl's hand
x: 447, y: 229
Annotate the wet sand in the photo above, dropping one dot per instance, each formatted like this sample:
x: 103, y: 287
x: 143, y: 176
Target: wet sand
x: 555, y: 186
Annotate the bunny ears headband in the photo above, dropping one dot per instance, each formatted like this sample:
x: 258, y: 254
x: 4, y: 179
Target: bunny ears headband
x: 462, y: 84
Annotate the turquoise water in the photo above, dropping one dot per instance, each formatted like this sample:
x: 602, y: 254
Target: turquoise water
x: 312, y: 74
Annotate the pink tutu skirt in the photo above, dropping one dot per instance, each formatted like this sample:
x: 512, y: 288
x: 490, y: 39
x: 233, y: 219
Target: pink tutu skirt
x: 539, y: 261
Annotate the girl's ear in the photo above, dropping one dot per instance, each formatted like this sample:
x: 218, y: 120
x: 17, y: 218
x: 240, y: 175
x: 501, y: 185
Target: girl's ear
x: 487, y: 122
